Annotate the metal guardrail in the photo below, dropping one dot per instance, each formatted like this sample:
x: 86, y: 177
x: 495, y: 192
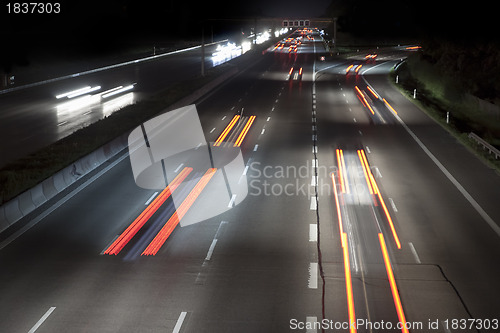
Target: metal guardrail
x: 485, y: 144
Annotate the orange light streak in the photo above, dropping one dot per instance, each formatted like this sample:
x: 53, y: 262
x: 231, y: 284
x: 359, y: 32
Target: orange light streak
x: 371, y: 179
x: 349, y: 68
x: 364, y: 98
x: 341, y: 177
x: 337, y: 205
x: 244, y: 132
x: 139, y: 222
x: 382, y: 202
x: 358, y: 68
x: 300, y: 71
x: 348, y: 285
x: 344, y: 171
x: 226, y: 131
x: 373, y: 92
x: 172, y: 222
x: 291, y: 71
x: 389, y: 106
x: 392, y: 281
x: 365, y: 172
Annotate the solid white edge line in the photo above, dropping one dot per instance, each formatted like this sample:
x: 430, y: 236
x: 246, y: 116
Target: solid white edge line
x: 44, y: 317
x: 58, y: 204
x: 151, y: 198
x: 313, y: 275
x: 178, y: 324
x: 459, y: 187
x: 108, y: 245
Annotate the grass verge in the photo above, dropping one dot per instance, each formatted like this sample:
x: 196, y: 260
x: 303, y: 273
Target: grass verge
x: 465, y: 117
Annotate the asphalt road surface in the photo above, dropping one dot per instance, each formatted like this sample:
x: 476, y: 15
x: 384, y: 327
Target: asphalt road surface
x: 353, y: 213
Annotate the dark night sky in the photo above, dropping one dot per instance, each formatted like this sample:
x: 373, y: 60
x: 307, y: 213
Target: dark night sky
x: 101, y: 26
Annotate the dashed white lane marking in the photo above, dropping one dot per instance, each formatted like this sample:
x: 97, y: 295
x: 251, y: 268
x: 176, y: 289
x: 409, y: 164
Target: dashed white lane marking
x: 272, y: 109
x: 151, y: 198
x: 368, y: 150
x: 180, y: 320
x: 314, y: 204
x: 311, y: 324
x: 181, y: 165
x: 445, y: 327
x: 223, y: 118
x: 213, y: 129
x: 313, y: 275
x: 211, y: 249
x: 268, y: 118
x: 354, y: 119
x: 415, y: 254
x: 232, y: 108
x: 231, y: 202
x: 313, y: 232
x: 263, y: 131
x: 44, y: 317
x: 255, y: 147
x: 315, y: 149
x: 394, y: 208
x: 314, y: 163
x: 246, y: 170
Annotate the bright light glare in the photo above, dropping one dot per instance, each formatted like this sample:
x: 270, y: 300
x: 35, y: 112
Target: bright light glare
x: 76, y: 104
x: 83, y: 92
x: 245, y: 47
x: 117, y: 103
x: 263, y: 37
x: 226, y: 52
x: 117, y: 91
x: 66, y: 94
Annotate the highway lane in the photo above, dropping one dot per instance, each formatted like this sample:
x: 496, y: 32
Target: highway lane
x: 32, y: 118
x: 466, y: 245
x: 256, y: 277
x: 456, y: 247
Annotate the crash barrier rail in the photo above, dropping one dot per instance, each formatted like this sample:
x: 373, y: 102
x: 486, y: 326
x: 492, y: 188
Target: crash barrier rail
x: 486, y: 145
